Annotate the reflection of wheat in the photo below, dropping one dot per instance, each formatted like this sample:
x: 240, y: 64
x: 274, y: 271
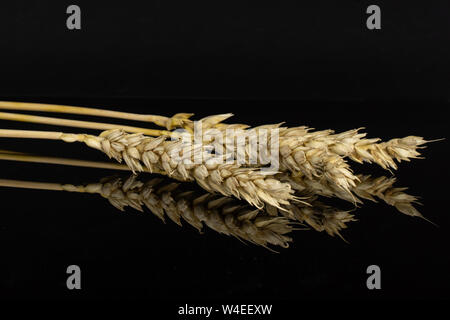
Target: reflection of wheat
x: 365, y: 188
x: 173, y: 201
x: 383, y: 189
x: 222, y: 214
x: 228, y: 215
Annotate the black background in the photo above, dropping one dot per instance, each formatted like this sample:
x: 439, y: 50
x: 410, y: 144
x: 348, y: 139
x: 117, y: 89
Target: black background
x: 307, y: 63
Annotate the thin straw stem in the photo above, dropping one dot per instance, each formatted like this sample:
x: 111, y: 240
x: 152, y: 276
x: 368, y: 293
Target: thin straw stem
x: 31, y: 185
x: 6, y: 155
x: 29, y: 134
x: 158, y: 120
x: 79, y: 124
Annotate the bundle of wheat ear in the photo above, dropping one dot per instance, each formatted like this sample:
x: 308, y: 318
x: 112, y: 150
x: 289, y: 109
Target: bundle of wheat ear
x: 312, y: 162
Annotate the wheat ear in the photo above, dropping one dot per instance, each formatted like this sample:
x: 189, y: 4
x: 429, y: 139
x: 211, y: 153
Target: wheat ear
x: 139, y: 151
x: 298, y: 151
x: 351, y: 143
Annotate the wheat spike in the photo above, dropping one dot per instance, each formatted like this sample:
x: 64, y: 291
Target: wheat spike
x: 139, y: 152
x: 297, y: 141
x: 178, y: 120
x: 301, y: 152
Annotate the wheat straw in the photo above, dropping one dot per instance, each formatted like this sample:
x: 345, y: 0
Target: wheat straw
x: 79, y: 124
x: 176, y: 121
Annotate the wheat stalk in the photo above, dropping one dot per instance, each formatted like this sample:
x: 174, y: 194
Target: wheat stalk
x: 139, y: 152
x: 24, y: 157
x: 176, y: 121
x: 80, y: 124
